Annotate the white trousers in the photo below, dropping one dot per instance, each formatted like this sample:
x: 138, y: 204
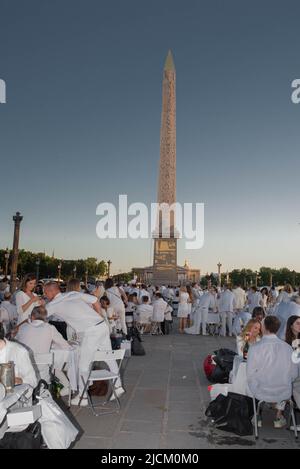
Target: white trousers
x: 93, y: 339
x: 226, y: 318
x: 204, y: 316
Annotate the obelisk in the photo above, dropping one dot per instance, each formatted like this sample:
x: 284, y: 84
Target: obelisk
x: 165, y: 248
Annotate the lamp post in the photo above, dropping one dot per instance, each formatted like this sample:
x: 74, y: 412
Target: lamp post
x: 74, y: 271
x: 38, y: 261
x: 294, y: 279
x: 227, y: 277
x: 219, y: 274
x: 256, y: 278
x: 6, y: 256
x: 59, y: 271
x: 86, y: 277
x: 17, y: 218
x: 108, y: 268
x: 271, y: 279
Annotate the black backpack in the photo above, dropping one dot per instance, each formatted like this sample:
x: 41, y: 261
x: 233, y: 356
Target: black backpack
x: 136, y: 343
x: 224, y: 363
x: 232, y: 413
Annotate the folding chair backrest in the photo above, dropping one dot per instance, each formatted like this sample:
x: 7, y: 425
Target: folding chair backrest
x: 108, y: 355
x: 43, y: 358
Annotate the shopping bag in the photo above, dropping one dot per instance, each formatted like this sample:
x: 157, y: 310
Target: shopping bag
x: 57, y: 430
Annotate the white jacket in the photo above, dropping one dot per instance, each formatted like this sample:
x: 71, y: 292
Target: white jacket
x: 226, y: 302
x: 23, y: 366
x: 240, y: 297
x: 270, y: 370
x: 159, y: 308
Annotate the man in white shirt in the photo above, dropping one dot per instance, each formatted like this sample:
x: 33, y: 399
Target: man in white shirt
x: 284, y: 311
x: 254, y: 299
x: 144, y: 313
x: 270, y: 369
x: 38, y: 336
x: 143, y: 292
x: 240, y: 298
x: 226, y: 306
x: 160, y: 309
x: 83, y: 313
x: 11, y: 351
x: 8, y: 313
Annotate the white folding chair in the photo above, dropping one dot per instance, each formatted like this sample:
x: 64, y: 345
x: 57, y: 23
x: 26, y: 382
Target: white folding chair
x: 104, y: 375
x: 257, y: 411
x: 156, y: 328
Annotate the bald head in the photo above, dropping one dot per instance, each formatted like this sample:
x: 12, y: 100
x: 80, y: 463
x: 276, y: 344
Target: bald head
x: 51, y: 289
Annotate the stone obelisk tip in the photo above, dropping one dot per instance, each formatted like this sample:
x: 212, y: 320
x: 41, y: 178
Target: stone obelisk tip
x: 169, y: 64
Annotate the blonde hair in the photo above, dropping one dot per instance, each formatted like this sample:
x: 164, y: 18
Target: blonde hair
x: 183, y: 289
x: 248, y: 327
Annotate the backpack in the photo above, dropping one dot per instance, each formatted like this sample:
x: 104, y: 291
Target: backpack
x: 232, y: 413
x: 218, y: 365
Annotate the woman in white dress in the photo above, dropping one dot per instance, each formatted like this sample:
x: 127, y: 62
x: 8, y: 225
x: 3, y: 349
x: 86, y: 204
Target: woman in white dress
x: 26, y: 299
x: 115, y: 296
x: 183, y: 308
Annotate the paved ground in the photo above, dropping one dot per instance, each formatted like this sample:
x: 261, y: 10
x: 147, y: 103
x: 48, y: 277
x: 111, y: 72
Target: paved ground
x: 165, y: 402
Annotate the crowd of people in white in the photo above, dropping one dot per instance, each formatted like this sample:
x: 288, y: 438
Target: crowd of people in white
x: 34, y: 323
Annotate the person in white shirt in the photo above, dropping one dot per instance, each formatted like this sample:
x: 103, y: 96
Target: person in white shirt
x: 4, y: 287
x: 38, y: 336
x: 270, y: 369
x: 143, y: 292
x: 183, y: 308
x: 206, y: 302
x: 8, y: 313
x: 160, y: 308
x: 11, y: 351
x: 144, y: 313
x: 240, y: 298
x: 108, y: 313
x: 285, y: 310
x: 26, y: 299
x: 285, y: 294
x: 115, y: 297
x: 254, y: 299
x: 83, y: 313
x: 251, y: 333
x: 226, y: 306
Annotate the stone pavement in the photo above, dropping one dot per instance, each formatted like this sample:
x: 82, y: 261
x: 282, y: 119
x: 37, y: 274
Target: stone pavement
x: 165, y: 401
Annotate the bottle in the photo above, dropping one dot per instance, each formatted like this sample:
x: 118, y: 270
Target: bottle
x: 246, y: 347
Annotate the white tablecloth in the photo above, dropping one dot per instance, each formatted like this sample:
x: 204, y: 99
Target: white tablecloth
x: 71, y: 359
x: 238, y: 377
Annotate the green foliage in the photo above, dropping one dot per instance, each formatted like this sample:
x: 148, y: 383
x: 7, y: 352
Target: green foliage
x: 48, y: 267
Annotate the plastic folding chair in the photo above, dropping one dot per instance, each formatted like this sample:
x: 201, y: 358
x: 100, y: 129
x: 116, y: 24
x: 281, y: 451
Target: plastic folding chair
x: 156, y: 328
x: 104, y: 375
x: 257, y: 411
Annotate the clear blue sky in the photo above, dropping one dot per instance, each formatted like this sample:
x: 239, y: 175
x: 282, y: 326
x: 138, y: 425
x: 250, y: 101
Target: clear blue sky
x: 82, y: 120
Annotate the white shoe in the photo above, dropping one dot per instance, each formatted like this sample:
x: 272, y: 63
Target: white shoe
x: 119, y: 391
x: 292, y: 428
x: 75, y: 401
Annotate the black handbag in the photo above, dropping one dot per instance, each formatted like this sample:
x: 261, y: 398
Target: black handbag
x: 232, y: 413
x: 30, y: 438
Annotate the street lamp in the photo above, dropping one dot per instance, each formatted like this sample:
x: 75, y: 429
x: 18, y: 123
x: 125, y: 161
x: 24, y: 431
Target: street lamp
x: 59, y: 271
x: 74, y: 271
x: 108, y: 268
x: 86, y: 277
x: 219, y: 273
x: 256, y: 278
x: 38, y: 261
x: 6, y: 256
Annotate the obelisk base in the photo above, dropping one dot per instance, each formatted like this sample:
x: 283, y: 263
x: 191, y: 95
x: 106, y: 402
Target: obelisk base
x: 165, y: 262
